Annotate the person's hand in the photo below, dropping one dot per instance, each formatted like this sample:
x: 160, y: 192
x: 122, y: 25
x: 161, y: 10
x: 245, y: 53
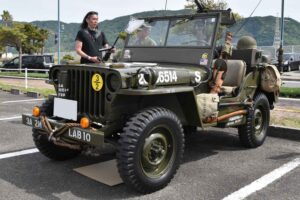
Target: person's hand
x: 113, y: 50
x: 95, y: 59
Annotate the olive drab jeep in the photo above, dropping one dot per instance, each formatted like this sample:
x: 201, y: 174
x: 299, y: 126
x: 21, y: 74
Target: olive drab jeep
x: 156, y: 94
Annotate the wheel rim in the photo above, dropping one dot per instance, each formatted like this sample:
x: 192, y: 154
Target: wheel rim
x: 158, y: 152
x: 258, y: 121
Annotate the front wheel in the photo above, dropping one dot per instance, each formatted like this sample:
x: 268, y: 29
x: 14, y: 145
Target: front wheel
x: 50, y: 150
x: 150, y: 149
x: 254, y: 132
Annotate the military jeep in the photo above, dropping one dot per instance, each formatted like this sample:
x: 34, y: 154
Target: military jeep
x: 153, y: 97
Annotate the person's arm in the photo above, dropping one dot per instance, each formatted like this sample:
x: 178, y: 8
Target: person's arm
x: 78, y: 49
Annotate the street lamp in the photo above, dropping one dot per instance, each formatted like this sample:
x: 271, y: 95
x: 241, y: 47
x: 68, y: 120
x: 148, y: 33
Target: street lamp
x: 58, y: 26
x: 166, y: 4
x: 280, y: 50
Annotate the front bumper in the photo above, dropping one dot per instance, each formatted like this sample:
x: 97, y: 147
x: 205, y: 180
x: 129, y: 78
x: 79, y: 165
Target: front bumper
x: 82, y: 136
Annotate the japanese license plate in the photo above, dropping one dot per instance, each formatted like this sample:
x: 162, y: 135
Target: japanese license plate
x: 32, y: 121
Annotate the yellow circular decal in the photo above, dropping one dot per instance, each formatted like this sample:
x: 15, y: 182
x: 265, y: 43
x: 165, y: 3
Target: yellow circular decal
x: 97, y: 82
x: 204, y: 56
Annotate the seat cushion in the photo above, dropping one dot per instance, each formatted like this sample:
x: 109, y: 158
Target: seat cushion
x: 228, y: 91
x: 236, y: 70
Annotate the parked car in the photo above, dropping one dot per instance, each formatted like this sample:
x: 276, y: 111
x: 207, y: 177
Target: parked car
x: 31, y: 62
x: 291, y: 62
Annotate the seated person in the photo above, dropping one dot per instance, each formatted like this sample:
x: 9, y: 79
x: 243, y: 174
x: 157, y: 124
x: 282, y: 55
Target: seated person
x: 200, y: 33
x: 142, y: 37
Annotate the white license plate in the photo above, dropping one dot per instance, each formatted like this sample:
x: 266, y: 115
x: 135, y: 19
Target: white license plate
x: 79, y: 134
x: 65, y: 108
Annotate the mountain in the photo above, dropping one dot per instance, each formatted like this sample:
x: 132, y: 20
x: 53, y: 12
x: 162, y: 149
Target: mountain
x: 261, y: 28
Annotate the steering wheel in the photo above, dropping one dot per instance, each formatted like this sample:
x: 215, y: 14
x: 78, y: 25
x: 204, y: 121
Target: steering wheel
x: 107, y: 54
x: 105, y: 49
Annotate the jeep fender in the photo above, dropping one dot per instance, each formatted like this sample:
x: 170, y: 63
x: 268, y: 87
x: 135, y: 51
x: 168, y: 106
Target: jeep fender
x: 181, y: 100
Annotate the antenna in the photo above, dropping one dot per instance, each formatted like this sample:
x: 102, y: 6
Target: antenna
x: 246, y: 21
x: 200, y: 6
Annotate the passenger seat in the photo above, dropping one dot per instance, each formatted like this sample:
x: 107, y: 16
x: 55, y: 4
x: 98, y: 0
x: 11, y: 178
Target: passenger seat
x: 236, y: 71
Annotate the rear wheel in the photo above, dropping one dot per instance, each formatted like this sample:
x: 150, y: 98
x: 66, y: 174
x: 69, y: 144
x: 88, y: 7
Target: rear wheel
x: 254, y: 132
x: 150, y: 149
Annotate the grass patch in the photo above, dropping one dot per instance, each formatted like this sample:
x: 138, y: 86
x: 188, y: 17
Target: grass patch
x: 290, y: 92
x: 44, y: 92
x: 289, y: 122
x: 22, y: 74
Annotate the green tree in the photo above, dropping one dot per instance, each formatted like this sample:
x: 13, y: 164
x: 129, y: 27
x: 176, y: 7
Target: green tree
x: 7, y: 18
x: 36, y: 38
x: 13, y: 37
x: 68, y: 57
x: 213, y: 5
x: 43, y: 37
x: 208, y: 4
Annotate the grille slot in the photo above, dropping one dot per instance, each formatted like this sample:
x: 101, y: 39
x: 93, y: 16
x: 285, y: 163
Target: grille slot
x: 90, y: 102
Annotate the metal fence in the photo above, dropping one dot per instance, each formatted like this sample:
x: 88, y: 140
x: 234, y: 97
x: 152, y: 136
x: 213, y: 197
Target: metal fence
x: 55, y: 55
x: 271, y: 50
x: 26, y: 73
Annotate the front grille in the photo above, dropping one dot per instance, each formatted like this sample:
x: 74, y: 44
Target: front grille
x: 90, y: 102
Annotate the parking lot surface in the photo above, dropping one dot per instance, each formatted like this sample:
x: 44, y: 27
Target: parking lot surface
x: 214, y: 166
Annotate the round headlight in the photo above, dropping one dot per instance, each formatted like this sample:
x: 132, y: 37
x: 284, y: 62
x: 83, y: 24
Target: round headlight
x: 113, y: 82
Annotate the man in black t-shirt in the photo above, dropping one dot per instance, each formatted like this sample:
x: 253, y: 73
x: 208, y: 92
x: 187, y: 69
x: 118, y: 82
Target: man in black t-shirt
x: 89, y: 40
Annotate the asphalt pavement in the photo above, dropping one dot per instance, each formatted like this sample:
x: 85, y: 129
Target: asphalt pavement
x: 215, y: 166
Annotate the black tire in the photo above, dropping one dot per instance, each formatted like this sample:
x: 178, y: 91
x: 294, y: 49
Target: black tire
x: 254, y: 132
x: 47, y: 108
x: 189, y: 130
x: 152, y: 135
x: 50, y: 150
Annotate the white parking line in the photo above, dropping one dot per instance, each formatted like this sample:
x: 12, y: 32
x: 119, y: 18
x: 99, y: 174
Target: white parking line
x: 10, y: 118
x: 289, y: 99
x: 18, y: 153
x: 264, y: 181
x: 26, y: 100
x: 290, y: 81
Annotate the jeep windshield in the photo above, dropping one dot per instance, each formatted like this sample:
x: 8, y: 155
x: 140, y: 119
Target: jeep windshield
x: 197, y: 32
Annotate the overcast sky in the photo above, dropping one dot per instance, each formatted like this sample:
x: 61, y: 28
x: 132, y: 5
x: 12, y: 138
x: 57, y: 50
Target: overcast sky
x: 74, y: 10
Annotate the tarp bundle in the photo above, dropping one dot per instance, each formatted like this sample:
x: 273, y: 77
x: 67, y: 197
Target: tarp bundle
x: 270, y: 79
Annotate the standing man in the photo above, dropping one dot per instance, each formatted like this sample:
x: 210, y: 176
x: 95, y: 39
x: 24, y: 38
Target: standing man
x: 89, y: 40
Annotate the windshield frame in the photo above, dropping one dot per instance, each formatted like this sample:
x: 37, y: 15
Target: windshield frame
x: 173, y: 18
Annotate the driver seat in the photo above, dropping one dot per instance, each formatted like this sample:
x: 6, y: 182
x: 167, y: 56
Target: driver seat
x: 236, y: 71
